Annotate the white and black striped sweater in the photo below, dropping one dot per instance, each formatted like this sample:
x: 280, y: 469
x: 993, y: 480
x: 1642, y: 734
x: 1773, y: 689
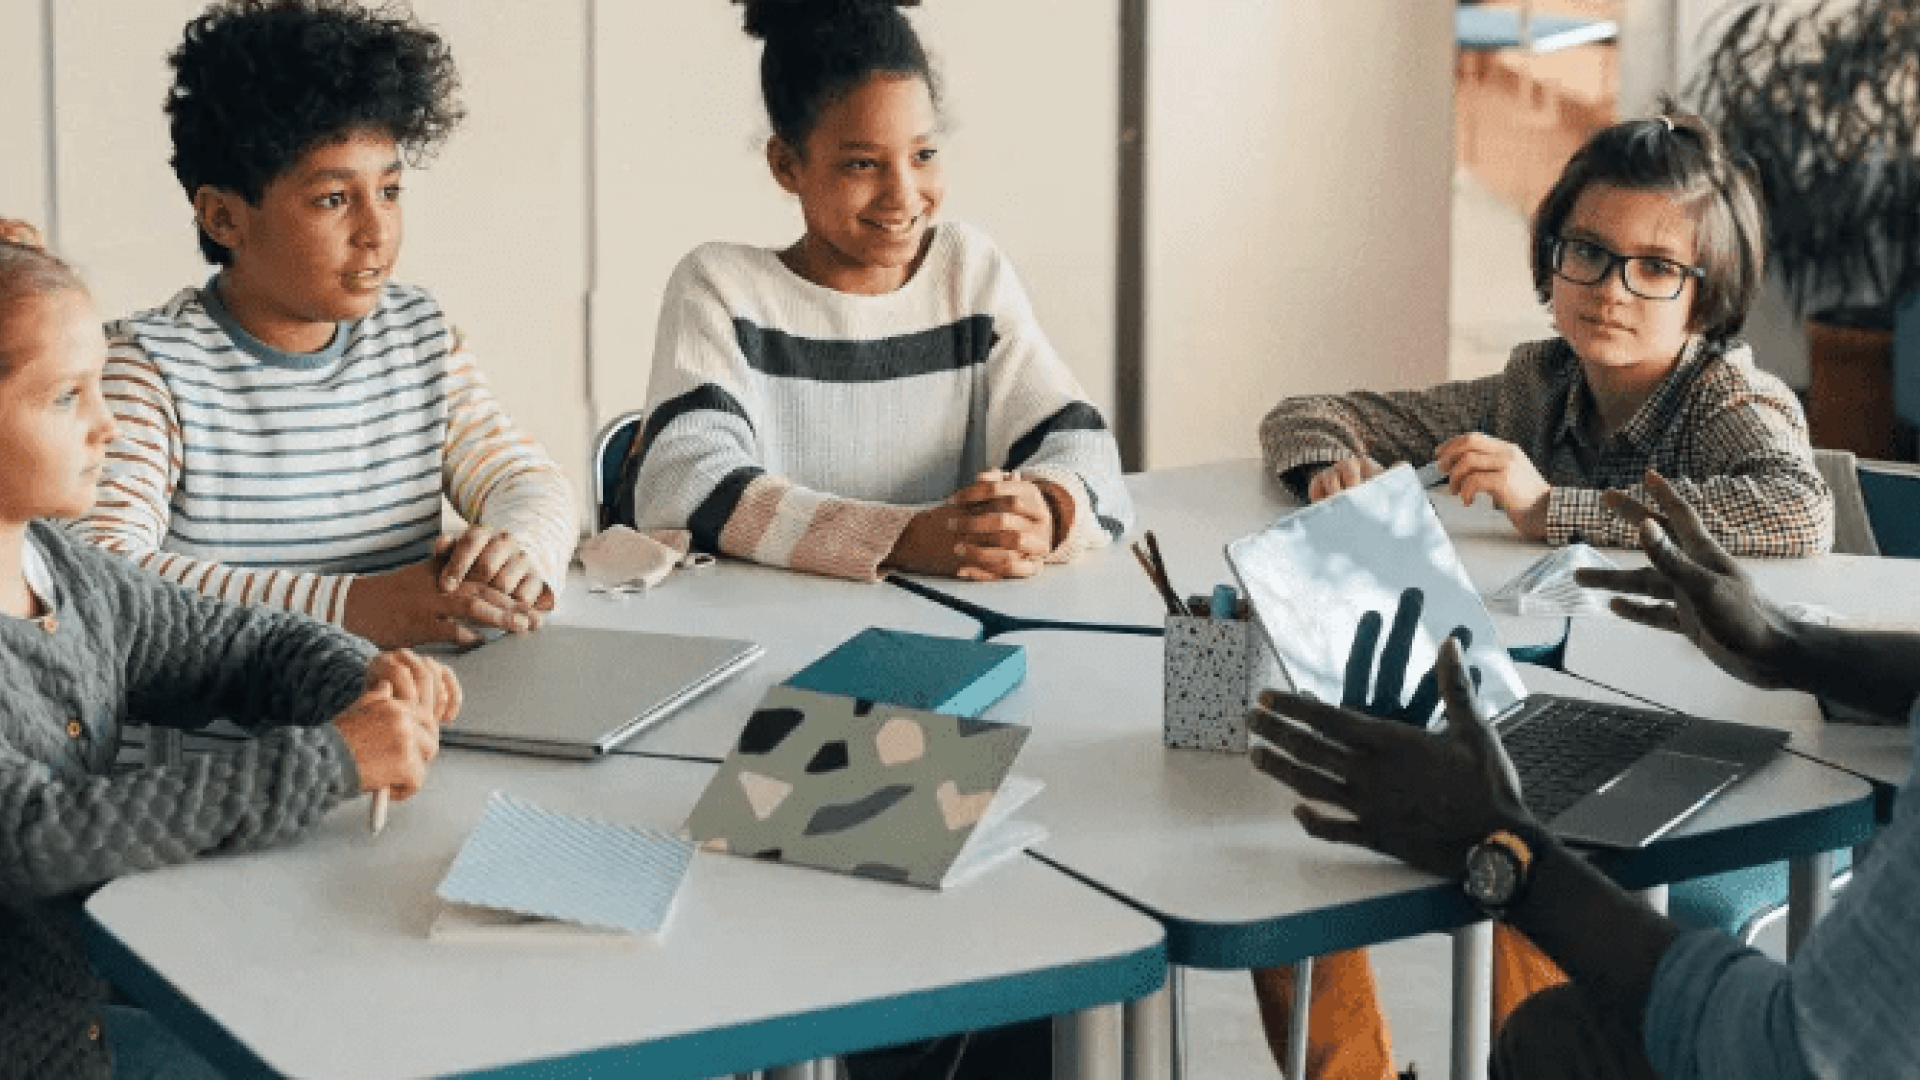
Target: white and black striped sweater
x: 799, y: 426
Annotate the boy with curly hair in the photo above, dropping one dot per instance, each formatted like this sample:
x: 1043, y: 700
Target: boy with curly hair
x: 289, y: 428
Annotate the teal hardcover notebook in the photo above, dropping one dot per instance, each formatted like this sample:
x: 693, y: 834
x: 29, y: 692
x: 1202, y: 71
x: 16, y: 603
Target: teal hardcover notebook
x: 954, y: 676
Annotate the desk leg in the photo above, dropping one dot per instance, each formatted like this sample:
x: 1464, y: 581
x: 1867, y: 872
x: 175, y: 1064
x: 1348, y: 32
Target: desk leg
x: 1809, y: 895
x: 1087, y: 1044
x: 1295, y: 1067
x: 1177, y: 1021
x: 1472, y: 1000
x: 1147, y: 1042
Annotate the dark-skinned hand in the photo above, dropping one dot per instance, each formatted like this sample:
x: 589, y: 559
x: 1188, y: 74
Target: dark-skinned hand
x: 1694, y: 588
x: 1384, y: 700
x: 1422, y: 798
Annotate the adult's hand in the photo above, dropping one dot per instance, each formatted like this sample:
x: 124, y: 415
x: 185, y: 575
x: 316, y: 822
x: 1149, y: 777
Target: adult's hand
x: 1422, y: 798
x: 1341, y: 475
x: 391, y: 741
x: 1696, y: 589
x: 1377, y: 693
x: 484, y: 556
x: 418, y: 680
x: 1477, y: 464
x: 407, y: 607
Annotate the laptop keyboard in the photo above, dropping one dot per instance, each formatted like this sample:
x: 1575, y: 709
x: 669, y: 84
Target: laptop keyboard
x: 1565, y: 749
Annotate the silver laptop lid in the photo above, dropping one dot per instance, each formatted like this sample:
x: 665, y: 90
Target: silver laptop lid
x: 577, y: 691
x: 1313, y: 575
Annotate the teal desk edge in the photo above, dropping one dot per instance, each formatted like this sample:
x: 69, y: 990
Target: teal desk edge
x: 1441, y: 908
x: 743, y: 1048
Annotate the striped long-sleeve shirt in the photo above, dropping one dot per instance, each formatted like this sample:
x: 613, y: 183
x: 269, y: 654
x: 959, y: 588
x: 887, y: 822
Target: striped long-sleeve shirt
x: 1730, y: 437
x: 799, y: 426
x: 261, y: 476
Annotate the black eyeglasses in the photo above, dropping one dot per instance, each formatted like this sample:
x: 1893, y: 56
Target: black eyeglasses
x: 1649, y: 277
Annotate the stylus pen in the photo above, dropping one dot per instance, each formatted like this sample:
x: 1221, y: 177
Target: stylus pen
x: 378, y: 820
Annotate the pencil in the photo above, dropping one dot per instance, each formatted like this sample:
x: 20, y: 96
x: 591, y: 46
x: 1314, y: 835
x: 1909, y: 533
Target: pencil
x: 379, y: 815
x: 1159, y: 580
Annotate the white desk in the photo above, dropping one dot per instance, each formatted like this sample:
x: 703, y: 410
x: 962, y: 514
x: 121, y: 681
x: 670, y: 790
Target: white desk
x: 1666, y: 669
x: 796, y: 617
x: 312, y: 960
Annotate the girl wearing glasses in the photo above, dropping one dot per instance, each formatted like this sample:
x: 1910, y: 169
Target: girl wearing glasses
x: 1648, y: 251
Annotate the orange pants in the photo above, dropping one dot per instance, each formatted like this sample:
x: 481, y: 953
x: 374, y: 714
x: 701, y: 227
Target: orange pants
x: 1347, y: 1035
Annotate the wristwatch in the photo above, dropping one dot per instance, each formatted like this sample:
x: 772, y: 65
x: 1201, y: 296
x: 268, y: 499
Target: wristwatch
x: 1499, y: 869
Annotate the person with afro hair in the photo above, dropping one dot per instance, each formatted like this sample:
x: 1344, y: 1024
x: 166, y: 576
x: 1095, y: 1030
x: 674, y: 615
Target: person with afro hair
x: 289, y: 427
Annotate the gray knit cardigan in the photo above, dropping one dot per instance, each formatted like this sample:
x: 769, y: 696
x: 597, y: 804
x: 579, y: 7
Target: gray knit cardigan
x: 122, y: 646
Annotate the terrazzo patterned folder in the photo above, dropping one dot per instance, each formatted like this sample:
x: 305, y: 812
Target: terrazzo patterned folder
x: 883, y: 791
x: 535, y: 872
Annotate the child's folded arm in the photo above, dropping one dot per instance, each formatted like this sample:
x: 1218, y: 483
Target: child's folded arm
x: 1040, y: 423
x: 497, y: 476
x: 1310, y: 432
x: 59, y: 834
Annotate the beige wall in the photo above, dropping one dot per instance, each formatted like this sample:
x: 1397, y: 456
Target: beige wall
x: 23, y: 111
x: 1300, y: 163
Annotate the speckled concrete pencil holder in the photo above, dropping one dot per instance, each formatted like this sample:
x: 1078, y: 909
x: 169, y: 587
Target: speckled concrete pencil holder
x: 1214, y: 667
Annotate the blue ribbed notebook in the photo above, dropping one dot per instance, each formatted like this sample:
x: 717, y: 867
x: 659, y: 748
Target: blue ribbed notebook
x: 525, y: 869
x: 952, y: 676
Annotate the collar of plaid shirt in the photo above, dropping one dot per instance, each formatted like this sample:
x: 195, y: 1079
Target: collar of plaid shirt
x: 1642, y: 428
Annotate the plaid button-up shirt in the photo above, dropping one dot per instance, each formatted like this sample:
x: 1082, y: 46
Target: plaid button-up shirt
x: 1732, y: 439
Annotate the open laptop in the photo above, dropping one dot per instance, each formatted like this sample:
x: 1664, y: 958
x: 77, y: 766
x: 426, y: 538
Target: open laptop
x: 579, y: 692
x: 1605, y: 775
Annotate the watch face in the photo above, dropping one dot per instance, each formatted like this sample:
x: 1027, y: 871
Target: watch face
x: 1492, y: 874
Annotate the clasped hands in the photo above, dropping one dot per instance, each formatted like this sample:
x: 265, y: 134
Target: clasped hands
x: 1474, y: 464
x: 1003, y: 525
x: 393, y: 727
x: 481, y: 579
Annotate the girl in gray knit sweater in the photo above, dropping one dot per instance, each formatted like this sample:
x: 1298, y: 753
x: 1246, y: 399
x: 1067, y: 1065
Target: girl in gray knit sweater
x: 89, y: 643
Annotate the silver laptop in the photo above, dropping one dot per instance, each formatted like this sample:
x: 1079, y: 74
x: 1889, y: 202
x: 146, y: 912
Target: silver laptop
x: 579, y: 692
x: 1367, y: 582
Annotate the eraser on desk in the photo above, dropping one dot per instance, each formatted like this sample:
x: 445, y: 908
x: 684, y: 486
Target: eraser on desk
x: 954, y: 676
x: 1430, y: 474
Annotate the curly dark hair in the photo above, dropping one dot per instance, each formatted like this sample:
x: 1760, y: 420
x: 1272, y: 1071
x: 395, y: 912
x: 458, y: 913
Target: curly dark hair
x: 258, y: 83
x: 817, y: 51
x: 1673, y: 153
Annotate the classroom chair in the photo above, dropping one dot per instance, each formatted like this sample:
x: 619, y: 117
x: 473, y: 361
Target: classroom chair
x: 611, y: 449
x: 1891, y: 491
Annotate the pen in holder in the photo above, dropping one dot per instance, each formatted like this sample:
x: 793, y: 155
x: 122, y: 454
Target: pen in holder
x: 1214, y: 669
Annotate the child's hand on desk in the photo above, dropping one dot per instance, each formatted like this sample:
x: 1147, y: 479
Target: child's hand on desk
x: 418, y: 680
x: 1341, y: 475
x: 391, y: 741
x: 407, y: 607
x: 484, y: 556
x: 1476, y: 464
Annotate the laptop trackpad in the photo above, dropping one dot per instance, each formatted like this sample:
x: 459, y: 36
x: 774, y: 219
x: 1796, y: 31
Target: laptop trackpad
x: 1657, y: 793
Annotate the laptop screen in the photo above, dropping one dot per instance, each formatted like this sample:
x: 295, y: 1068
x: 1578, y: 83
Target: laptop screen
x: 1330, y: 581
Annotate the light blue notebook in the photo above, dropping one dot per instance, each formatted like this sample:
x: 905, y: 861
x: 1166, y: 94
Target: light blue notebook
x: 533, y: 870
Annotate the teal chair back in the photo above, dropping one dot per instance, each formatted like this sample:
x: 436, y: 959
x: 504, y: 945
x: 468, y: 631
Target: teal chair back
x: 615, y: 444
x: 1891, y: 491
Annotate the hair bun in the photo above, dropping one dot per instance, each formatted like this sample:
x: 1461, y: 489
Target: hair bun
x: 767, y: 19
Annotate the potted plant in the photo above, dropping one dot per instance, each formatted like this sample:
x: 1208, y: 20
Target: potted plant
x: 1823, y: 97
